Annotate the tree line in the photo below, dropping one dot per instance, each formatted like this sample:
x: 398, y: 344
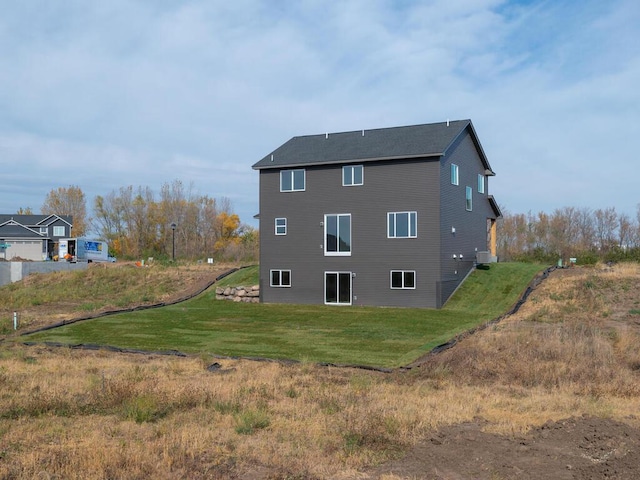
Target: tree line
x: 582, y: 233
x: 137, y: 223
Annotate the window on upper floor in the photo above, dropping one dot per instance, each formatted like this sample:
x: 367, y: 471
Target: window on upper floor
x: 59, y: 231
x: 403, y: 279
x: 454, y: 174
x: 352, y: 175
x: 337, y: 234
x: 281, y: 226
x: 292, y: 180
x: 402, y: 224
x: 481, y: 183
x: 280, y: 278
x: 469, y: 198
x: 44, y: 230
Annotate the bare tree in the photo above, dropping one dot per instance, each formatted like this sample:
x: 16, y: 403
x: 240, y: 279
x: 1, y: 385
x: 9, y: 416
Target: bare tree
x: 625, y: 231
x: 110, y: 219
x: 606, y: 224
x: 586, y: 231
x: 567, y: 232
x: 207, y: 213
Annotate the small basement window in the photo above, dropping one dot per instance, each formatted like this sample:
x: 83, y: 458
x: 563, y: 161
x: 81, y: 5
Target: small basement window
x: 403, y: 279
x: 280, y: 278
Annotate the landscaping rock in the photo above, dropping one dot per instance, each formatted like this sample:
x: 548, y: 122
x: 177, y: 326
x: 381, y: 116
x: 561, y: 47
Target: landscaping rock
x: 239, y: 294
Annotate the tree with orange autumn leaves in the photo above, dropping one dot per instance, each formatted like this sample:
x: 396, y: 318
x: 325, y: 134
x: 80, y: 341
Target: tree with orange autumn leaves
x: 137, y: 224
x: 68, y: 201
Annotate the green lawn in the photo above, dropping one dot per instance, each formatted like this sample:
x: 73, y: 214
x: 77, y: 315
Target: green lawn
x: 247, y: 277
x: 384, y: 337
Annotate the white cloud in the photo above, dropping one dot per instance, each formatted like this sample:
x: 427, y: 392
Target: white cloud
x: 199, y: 91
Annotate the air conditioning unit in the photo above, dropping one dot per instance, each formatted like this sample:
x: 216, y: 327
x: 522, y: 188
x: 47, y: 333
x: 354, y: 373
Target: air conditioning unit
x: 484, y: 257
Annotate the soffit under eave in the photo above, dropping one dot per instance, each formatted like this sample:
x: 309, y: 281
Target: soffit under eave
x: 9, y: 239
x: 349, y: 161
x: 494, y: 206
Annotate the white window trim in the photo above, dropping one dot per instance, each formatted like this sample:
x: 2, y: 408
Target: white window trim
x: 57, y: 228
x: 455, y: 174
x: 293, y: 188
x: 481, y: 183
x: 403, y: 286
x: 353, y: 184
x: 271, y: 284
x: 338, y: 254
x: 281, y: 226
x: 338, y: 303
x: 468, y: 199
x: 395, y: 223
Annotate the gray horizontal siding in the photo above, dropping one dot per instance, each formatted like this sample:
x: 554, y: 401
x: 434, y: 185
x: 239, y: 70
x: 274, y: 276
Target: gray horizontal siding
x: 470, y: 234
x: 397, y: 186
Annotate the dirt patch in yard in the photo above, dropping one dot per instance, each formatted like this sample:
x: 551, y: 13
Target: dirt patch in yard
x: 575, y: 448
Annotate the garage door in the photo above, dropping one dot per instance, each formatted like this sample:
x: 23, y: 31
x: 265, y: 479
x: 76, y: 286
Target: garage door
x: 24, y: 249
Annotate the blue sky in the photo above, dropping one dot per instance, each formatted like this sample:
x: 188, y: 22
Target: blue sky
x: 104, y: 95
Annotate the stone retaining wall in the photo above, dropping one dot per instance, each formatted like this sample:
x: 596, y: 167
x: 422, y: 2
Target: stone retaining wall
x: 239, y: 294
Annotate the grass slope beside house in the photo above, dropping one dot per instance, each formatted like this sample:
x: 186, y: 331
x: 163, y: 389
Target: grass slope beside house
x: 245, y: 276
x: 368, y: 336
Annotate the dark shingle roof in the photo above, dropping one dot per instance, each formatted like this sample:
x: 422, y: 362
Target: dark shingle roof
x: 14, y: 229
x: 33, y: 220
x: 428, y: 140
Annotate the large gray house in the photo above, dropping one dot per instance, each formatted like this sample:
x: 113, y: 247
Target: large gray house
x: 32, y: 237
x: 388, y: 217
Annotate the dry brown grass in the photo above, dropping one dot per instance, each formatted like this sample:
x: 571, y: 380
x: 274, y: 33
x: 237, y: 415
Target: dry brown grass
x: 571, y: 350
x: 45, y: 299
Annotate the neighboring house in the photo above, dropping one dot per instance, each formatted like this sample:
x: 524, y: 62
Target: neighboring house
x: 32, y: 237
x: 388, y: 217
